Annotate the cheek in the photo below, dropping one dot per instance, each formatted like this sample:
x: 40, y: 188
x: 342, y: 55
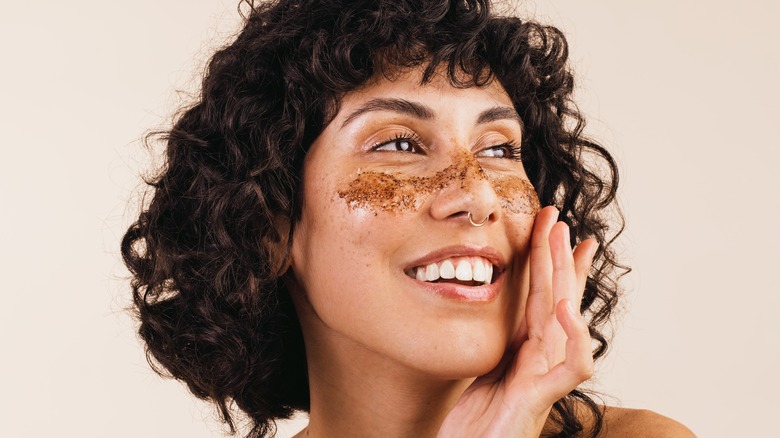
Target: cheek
x: 517, y: 195
x: 339, y: 249
x: 520, y: 204
x: 375, y: 191
x: 387, y: 192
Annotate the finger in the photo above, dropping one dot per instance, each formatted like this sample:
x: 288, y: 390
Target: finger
x: 577, y: 367
x: 540, y: 302
x: 583, y: 260
x: 564, y: 278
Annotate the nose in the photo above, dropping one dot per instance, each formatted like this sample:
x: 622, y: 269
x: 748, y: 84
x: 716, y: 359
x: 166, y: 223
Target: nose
x: 468, y: 198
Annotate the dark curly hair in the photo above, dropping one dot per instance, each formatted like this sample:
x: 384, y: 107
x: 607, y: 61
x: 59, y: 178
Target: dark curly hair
x: 204, y: 257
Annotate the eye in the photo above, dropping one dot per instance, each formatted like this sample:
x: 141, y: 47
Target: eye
x: 400, y: 143
x: 504, y: 150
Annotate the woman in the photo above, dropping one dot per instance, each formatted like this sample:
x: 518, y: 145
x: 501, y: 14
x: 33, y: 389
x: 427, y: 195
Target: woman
x: 349, y: 224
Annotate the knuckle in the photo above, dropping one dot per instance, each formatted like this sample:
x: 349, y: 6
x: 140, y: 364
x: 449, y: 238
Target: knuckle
x: 587, y: 370
x: 583, y: 371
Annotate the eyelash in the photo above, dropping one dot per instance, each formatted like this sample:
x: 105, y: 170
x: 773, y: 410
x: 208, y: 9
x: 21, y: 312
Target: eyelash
x: 414, y: 140
x: 513, y: 150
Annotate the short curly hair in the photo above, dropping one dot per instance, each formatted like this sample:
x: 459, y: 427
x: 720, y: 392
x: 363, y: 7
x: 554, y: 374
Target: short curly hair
x: 213, y: 310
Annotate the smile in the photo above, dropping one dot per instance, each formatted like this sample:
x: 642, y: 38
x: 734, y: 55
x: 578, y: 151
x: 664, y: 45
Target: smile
x: 468, y: 271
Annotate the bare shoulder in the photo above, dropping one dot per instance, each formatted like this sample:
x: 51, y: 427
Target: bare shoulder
x: 622, y: 422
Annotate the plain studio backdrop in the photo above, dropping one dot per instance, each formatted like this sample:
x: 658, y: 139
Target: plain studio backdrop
x: 684, y: 93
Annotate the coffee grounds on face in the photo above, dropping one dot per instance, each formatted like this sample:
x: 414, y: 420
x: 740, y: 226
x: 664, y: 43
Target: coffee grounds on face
x: 517, y: 195
x: 388, y: 192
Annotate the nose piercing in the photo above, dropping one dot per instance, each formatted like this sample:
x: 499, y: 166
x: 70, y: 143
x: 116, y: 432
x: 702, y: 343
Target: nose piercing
x: 477, y: 224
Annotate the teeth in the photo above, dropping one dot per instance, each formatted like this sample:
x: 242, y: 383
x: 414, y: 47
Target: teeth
x: 447, y: 270
x: 463, y: 271
x: 432, y: 272
x: 462, y: 268
x: 478, y: 273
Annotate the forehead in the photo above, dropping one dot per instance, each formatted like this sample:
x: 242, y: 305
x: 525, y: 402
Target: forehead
x: 438, y: 94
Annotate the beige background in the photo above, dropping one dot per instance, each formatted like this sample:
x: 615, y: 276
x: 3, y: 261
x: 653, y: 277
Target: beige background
x: 683, y: 92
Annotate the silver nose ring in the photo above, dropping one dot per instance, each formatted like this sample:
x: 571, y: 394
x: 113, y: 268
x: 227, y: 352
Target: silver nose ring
x: 477, y: 224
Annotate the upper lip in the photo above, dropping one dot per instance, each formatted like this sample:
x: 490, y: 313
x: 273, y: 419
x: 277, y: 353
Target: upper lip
x: 490, y: 254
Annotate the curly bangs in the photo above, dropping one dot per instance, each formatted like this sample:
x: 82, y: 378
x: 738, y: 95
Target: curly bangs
x: 204, y: 253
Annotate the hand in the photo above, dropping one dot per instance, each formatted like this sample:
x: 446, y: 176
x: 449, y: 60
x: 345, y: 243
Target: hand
x: 551, y: 354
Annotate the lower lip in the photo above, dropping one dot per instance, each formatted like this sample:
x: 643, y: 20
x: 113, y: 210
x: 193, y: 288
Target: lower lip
x: 459, y: 292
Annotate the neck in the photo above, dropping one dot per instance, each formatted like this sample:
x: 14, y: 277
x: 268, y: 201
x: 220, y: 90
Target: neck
x: 358, y: 392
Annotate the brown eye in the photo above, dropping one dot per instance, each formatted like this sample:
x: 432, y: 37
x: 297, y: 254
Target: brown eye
x: 504, y: 150
x: 399, y: 144
x: 493, y: 152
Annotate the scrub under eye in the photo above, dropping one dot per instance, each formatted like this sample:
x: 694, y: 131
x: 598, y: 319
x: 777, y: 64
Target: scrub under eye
x: 392, y: 192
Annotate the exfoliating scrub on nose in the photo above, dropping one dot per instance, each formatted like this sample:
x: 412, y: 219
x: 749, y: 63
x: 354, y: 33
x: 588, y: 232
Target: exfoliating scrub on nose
x: 388, y: 192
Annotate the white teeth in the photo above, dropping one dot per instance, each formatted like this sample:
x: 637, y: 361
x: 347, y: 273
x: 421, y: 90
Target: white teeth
x: 463, y: 271
x: 432, y: 272
x: 420, y: 274
x: 478, y: 273
x: 463, y: 268
x: 447, y: 270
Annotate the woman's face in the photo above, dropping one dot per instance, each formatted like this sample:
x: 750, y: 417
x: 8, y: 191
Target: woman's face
x: 388, y: 187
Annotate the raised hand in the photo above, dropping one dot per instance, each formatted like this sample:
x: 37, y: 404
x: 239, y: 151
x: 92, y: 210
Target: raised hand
x: 551, y: 354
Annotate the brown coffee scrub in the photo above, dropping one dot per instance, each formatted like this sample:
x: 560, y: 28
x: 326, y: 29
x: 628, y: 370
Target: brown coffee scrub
x: 379, y: 191
x: 517, y: 195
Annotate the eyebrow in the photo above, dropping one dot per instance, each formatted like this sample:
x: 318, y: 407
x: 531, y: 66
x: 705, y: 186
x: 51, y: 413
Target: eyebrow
x: 402, y: 106
x: 498, y: 113
x: 425, y: 112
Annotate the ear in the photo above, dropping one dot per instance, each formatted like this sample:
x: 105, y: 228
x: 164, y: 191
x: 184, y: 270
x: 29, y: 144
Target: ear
x: 277, y: 246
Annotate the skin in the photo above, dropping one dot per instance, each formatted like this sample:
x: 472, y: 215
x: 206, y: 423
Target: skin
x: 386, y: 356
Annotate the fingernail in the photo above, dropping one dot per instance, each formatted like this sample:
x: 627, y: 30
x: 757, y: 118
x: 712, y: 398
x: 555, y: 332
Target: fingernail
x: 570, y: 308
x: 593, y: 250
